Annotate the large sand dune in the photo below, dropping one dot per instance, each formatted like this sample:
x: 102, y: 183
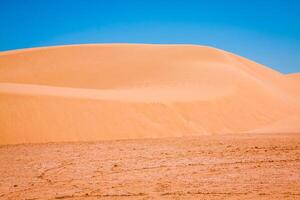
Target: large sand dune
x: 95, y: 92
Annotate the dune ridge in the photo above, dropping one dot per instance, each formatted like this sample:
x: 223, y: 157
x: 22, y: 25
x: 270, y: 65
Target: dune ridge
x: 121, y: 91
x: 140, y: 94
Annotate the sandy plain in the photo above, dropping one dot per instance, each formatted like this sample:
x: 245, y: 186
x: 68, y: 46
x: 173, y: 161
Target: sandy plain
x: 249, y: 166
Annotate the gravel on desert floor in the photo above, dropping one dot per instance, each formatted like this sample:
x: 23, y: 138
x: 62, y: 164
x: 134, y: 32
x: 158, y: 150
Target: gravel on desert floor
x: 250, y: 166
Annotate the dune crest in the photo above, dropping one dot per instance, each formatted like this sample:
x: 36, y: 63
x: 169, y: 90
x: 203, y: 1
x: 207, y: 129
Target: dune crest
x: 99, y: 92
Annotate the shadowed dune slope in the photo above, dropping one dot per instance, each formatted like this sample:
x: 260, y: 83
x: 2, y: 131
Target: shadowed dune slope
x: 96, y: 92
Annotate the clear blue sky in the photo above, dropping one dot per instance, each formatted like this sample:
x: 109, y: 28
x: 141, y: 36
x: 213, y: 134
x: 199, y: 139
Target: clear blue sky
x: 267, y: 31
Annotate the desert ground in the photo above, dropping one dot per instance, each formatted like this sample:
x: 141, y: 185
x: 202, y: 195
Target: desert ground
x: 249, y: 166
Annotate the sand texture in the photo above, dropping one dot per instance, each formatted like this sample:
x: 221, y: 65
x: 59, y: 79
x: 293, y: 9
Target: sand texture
x: 248, y: 166
x: 108, y: 92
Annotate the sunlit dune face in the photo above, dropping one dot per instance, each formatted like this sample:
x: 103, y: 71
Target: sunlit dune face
x: 114, y: 66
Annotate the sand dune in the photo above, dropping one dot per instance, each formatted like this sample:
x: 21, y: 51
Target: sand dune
x: 286, y: 125
x: 295, y: 76
x: 96, y: 92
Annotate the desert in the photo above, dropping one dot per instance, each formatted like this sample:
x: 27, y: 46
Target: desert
x: 248, y: 166
x: 145, y: 121
x: 123, y: 91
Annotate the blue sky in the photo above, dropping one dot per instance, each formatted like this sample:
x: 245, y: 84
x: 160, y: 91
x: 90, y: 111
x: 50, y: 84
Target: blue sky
x: 265, y: 31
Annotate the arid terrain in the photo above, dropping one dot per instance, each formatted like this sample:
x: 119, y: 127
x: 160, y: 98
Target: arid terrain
x: 124, y: 121
x: 250, y: 166
x: 135, y: 91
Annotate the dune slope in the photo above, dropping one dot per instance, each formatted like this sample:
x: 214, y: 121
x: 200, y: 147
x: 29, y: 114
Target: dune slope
x: 95, y: 92
x: 295, y: 76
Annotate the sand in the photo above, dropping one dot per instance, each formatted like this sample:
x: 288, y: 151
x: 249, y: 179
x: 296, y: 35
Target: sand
x: 122, y: 91
x: 120, y: 121
x: 248, y: 166
x: 295, y: 76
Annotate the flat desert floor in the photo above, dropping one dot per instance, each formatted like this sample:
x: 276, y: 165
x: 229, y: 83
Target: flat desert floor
x: 251, y: 166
